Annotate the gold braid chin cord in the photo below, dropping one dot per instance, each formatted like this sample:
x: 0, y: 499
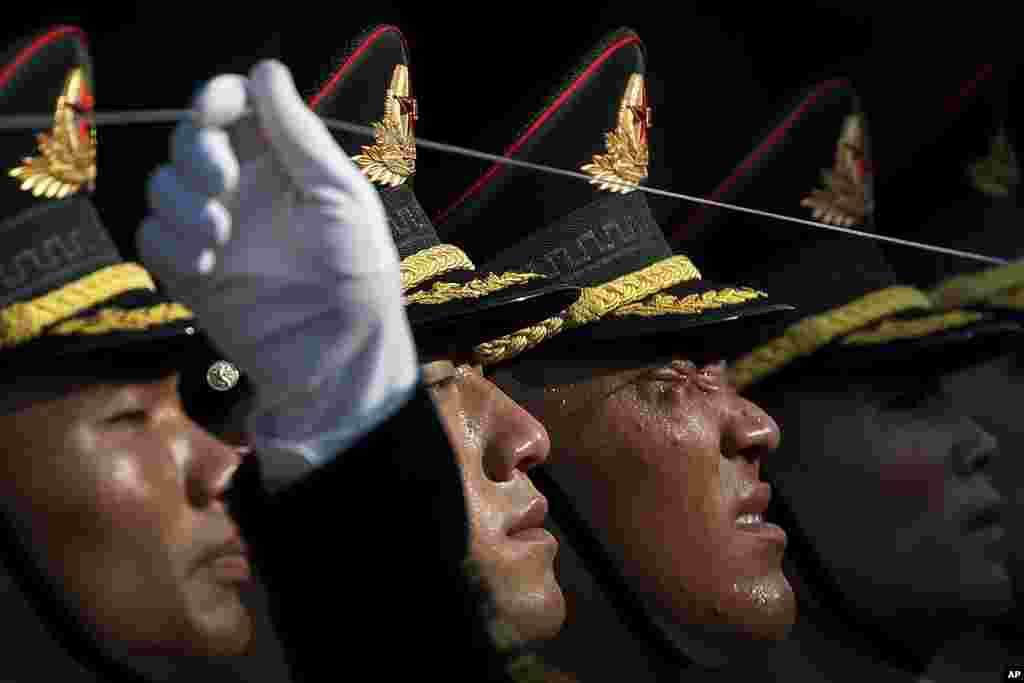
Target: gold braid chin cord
x: 810, y: 334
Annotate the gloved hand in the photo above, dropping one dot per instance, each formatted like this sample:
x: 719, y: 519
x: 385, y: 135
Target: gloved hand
x: 281, y: 247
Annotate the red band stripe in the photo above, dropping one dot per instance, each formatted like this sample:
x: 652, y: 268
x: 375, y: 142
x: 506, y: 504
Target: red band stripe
x: 511, y: 150
x: 752, y: 159
x: 38, y: 44
x: 336, y: 78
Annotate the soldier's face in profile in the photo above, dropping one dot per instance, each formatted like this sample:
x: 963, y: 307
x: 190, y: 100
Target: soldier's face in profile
x: 496, y: 442
x: 888, y: 479
x: 663, y: 462
x: 992, y: 393
x: 119, y: 493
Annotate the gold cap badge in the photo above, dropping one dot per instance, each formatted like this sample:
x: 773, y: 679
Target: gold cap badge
x: 392, y: 157
x: 222, y: 376
x: 627, y: 154
x: 997, y: 173
x: 844, y: 200
x: 67, y: 160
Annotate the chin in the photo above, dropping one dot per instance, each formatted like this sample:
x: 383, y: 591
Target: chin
x: 990, y: 594
x: 762, y: 608
x: 201, y: 640
x: 224, y: 632
x: 535, y: 614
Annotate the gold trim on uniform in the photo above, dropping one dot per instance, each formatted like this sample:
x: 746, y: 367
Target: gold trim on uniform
x: 26, y: 320
x: 691, y: 304
x: 593, y: 304
x: 624, y: 166
x: 431, y: 263
x: 915, y: 328
x: 392, y: 157
x: 979, y: 287
x: 68, y: 151
x: 810, y: 334
x: 446, y: 292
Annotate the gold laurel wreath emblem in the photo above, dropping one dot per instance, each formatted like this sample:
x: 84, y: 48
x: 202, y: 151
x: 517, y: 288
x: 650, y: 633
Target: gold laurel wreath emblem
x: 391, y: 159
x: 624, y: 165
x: 844, y: 200
x: 67, y: 160
x: 997, y: 173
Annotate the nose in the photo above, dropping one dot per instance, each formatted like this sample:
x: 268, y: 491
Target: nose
x: 514, y: 440
x: 974, y: 450
x: 211, y: 466
x: 749, y: 432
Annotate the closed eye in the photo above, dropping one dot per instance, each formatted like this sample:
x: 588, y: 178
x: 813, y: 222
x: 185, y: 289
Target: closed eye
x: 128, y: 417
x: 908, y: 401
x: 443, y: 383
x: 438, y: 375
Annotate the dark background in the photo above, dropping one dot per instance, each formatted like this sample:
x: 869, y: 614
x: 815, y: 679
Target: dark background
x: 720, y: 73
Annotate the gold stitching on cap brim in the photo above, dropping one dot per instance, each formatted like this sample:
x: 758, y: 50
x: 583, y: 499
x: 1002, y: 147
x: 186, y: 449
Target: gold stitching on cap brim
x: 109, y: 320
x: 431, y: 263
x: 977, y: 288
x: 593, y: 304
x: 447, y: 292
x: 23, y: 321
x: 691, y: 304
x: 810, y: 334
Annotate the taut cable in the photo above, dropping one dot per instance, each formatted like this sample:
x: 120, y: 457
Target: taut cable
x: 151, y: 116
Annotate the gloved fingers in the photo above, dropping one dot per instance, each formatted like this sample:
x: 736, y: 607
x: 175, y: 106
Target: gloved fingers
x: 302, y: 143
x: 197, y: 219
x: 175, y: 264
x: 204, y: 160
x: 221, y: 102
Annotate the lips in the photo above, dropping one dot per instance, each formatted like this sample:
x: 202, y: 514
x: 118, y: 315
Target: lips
x: 228, y: 561
x: 530, y: 518
x: 985, y: 517
x: 750, y: 511
x: 751, y: 508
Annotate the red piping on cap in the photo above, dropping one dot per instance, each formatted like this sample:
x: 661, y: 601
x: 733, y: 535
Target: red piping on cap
x: 39, y: 43
x: 956, y: 102
x: 751, y: 160
x: 953, y: 105
x: 497, y: 168
x: 336, y: 78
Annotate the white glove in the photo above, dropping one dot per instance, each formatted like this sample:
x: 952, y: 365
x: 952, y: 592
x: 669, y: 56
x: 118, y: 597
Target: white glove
x: 281, y: 247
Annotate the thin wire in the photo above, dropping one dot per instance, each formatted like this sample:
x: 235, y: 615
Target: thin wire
x: 172, y: 115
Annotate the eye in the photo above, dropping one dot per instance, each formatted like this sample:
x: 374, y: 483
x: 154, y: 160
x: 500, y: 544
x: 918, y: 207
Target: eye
x: 443, y: 383
x: 128, y: 417
x: 439, y: 375
x: 907, y: 401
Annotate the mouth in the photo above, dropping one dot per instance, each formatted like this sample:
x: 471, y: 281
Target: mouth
x: 750, y: 512
x: 987, y: 519
x: 228, y: 562
x: 528, y: 525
